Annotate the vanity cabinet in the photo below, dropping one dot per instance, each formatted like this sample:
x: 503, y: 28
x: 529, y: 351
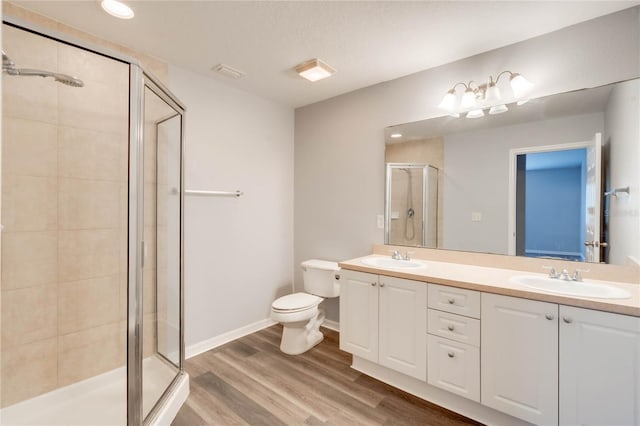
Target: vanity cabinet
x: 384, y: 320
x: 599, y: 368
x: 519, y: 352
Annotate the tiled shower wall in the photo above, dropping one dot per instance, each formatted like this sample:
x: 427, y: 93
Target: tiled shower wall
x: 64, y: 211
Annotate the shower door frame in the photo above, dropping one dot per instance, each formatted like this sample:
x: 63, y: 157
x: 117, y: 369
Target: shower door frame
x: 139, y: 78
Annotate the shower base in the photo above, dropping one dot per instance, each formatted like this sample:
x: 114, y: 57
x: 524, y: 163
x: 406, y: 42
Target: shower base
x: 100, y: 400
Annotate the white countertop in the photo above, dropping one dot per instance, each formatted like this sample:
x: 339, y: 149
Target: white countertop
x: 496, y: 280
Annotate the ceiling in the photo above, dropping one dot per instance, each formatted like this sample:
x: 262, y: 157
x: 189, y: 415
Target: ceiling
x: 367, y: 42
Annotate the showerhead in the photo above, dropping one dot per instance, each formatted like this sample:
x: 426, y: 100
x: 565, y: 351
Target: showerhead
x: 9, y: 67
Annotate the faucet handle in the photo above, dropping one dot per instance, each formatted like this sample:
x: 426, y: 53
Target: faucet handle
x: 406, y: 255
x: 396, y: 255
x: 552, y: 271
x: 577, y: 276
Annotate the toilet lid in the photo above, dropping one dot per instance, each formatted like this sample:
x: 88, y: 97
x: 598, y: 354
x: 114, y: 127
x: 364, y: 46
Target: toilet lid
x: 296, y: 302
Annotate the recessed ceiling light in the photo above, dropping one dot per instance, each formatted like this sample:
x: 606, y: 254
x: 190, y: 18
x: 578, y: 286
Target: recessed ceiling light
x: 314, y: 70
x: 117, y: 8
x: 395, y: 135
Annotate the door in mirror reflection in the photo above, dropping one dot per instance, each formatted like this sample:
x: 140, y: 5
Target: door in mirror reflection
x: 557, y: 202
x: 412, y: 205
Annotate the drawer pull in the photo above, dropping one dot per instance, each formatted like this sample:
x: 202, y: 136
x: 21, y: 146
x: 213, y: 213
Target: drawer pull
x: 451, y: 328
x: 373, y: 284
x: 567, y: 320
x: 381, y: 284
x: 451, y: 354
x: 549, y: 317
x: 452, y: 301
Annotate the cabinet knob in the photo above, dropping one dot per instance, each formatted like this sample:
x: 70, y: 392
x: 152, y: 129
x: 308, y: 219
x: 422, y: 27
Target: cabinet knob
x: 381, y: 284
x: 567, y: 320
x: 373, y: 284
x: 549, y: 317
x: 451, y: 354
x: 451, y: 301
x: 451, y: 328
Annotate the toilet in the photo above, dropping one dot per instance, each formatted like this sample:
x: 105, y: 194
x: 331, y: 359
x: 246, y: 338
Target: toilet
x: 299, y: 313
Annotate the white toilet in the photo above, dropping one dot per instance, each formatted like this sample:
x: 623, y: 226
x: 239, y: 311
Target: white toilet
x: 299, y: 312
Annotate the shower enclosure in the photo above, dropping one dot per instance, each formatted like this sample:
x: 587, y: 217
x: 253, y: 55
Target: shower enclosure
x: 411, y: 205
x: 92, y: 294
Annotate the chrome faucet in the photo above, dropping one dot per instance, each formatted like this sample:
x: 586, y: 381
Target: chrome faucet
x: 564, y: 275
x: 396, y: 255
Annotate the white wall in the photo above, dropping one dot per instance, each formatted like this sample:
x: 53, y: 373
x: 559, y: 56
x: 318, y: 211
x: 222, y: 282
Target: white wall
x: 339, y: 152
x: 470, y: 186
x: 622, y: 135
x: 238, y: 251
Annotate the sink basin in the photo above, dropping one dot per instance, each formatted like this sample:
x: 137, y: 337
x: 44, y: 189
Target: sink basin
x: 571, y: 288
x: 389, y: 263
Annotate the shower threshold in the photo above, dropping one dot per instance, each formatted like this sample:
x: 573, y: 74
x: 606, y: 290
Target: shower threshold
x: 99, y: 400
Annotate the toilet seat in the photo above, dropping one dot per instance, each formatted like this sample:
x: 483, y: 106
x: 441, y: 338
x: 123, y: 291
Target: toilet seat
x: 295, y: 302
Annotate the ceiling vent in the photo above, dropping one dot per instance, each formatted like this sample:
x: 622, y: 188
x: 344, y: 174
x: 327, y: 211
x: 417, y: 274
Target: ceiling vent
x: 228, y: 71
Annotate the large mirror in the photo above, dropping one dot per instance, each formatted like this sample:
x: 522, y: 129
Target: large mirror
x: 557, y: 177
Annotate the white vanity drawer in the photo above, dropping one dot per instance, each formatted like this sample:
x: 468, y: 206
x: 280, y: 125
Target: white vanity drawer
x: 454, y: 300
x: 454, y: 367
x: 455, y: 327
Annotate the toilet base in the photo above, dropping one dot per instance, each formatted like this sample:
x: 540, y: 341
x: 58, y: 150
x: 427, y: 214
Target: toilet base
x: 299, y: 337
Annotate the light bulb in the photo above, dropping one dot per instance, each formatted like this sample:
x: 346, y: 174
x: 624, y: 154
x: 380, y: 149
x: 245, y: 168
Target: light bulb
x: 468, y: 99
x: 475, y: 113
x: 498, y: 109
x: 448, y: 102
x: 520, y: 85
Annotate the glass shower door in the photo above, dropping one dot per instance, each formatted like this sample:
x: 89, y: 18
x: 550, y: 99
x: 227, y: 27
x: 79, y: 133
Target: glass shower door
x: 161, y: 273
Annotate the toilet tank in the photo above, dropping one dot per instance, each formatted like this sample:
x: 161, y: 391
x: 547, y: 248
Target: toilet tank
x: 319, y: 277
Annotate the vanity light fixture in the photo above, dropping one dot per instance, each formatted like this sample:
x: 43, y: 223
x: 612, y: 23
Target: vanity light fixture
x: 117, y: 8
x: 476, y: 97
x: 314, y: 70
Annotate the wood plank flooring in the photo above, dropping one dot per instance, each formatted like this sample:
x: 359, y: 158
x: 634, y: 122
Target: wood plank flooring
x: 250, y: 382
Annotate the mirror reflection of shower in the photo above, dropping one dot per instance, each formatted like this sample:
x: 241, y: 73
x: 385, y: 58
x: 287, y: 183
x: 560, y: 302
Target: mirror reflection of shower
x: 409, y: 222
x: 411, y: 204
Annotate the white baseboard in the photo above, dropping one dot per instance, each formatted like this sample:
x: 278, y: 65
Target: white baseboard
x: 331, y: 325
x: 214, y: 342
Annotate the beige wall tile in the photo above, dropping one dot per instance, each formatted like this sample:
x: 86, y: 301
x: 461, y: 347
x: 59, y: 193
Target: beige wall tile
x: 148, y: 291
x: 150, y: 239
x: 97, y: 106
x: 29, y: 259
x: 29, y: 370
x: 29, y: 203
x: 148, y: 334
x: 123, y: 302
x: 88, y: 254
x: 150, y: 158
x: 29, y: 148
x: 90, y: 352
x: 91, y: 67
x: 89, y: 154
x: 88, y: 303
x: 89, y: 204
x: 28, y: 315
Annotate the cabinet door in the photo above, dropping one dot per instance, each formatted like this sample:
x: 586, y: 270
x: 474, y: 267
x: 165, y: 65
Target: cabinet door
x: 403, y: 326
x: 599, y: 368
x: 359, y: 314
x: 454, y: 366
x: 519, y: 355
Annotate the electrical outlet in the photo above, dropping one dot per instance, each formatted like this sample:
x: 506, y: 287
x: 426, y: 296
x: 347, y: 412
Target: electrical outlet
x: 380, y: 218
x: 476, y: 216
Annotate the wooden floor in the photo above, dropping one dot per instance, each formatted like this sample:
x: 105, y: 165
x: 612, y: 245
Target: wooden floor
x: 249, y: 381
